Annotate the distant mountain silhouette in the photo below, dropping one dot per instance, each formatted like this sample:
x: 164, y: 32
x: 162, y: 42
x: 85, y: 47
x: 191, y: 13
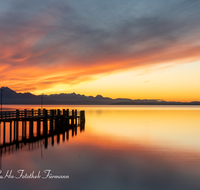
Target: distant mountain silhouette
x: 11, y: 97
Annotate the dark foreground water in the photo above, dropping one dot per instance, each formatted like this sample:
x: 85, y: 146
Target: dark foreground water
x: 122, y: 147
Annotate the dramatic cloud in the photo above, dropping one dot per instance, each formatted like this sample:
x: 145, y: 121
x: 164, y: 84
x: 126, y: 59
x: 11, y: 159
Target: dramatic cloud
x: 50, y: 42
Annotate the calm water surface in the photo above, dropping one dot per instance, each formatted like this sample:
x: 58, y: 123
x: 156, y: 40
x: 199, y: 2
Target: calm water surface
x: 122, y: 147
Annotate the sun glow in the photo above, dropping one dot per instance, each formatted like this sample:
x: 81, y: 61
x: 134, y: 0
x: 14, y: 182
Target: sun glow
x: 168, y: 83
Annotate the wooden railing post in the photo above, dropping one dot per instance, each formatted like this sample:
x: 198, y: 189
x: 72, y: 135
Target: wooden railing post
x: 32, y: 112
x: 39, y: 112
x: 17, y: 113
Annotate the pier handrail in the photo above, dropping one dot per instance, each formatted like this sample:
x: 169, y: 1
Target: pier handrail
x: 35, y: 113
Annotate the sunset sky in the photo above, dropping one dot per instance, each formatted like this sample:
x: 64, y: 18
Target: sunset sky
x: 138, y: 49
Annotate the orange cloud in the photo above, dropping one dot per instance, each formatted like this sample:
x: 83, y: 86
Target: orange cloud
x: 57, y: 44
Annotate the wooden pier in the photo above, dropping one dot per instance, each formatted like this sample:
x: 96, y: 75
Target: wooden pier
x: 28, y: 126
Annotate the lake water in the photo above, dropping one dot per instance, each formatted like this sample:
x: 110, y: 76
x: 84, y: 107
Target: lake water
x: 121, y: 148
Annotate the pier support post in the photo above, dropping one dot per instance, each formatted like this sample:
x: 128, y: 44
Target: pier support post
x: 23, y: 130
x: 45, y: 122
x: 38, y: 123
x: 4, y: 132
x: 17, y: 126
x: 72, y: 118
x: 75, y: 129
x: 67, y: 118
x: 82, y: 120
x: 38, y: 127
x: 14, y: 131
x: 51, y: 121
x: 31, y: 129
x: 17, y: 134
x: 10, y: 131
x: 58, y: 126
x: 63, y: 118
x: 67, y: 134
x: 75, y: 118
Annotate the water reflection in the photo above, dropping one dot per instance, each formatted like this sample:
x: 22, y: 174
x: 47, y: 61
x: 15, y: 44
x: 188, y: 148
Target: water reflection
x: 38, y: 139
x: 35, y: 139
x: 121, y: 149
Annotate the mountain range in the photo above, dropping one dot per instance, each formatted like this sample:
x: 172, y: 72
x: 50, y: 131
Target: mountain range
x: 9, y: 96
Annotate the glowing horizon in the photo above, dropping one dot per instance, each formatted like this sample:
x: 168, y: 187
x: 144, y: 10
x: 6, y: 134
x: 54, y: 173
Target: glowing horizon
x: 137, y: 50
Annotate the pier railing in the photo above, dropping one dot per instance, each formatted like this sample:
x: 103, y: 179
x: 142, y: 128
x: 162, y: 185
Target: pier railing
x: 28, y: 114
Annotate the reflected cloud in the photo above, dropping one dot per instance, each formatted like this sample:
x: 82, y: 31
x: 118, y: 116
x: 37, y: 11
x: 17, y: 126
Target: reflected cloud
x: 103, y: 156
